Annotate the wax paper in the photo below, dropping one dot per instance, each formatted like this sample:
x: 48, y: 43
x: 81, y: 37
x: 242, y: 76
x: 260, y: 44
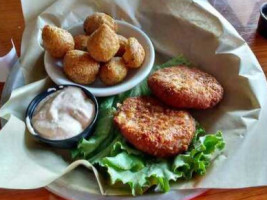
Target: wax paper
x: 6, y: 62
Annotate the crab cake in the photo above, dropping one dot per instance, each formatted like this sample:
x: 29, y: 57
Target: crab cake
x: 154, y: 128
x: 81, y: 42
x: 93, y: 22
x: 103, y: 44
x: 134, y: 54
x: 184, y: 87
x: 113, y: 72
x: 123, y: 42
x: 57, y: 41
x: 80, y: 67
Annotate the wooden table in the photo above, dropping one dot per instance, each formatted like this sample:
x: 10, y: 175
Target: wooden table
x: 242, y: 14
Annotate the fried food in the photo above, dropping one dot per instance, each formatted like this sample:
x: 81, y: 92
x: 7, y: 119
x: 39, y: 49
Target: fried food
x: 154, y: 128
x: 57, y: 41
x: 80, y: 67
x: 123, y: 42
x: 134, y: 53
x: 81, y: 42
x: 103, y: 44
x: 94, y: 21
x: 184, y: 87
x: 113, y: 72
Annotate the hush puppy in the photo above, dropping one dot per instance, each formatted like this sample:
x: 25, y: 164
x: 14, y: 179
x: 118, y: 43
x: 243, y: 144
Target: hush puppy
x: 81, y: 42
x: 134, y: 53
x: 113, y: 72
x: 184, y: 87
x: 80, y: 67
x: 103, y: 44
x: 154, y: 128
x: 94, y: 21
x: 123, y: 42
x: 57, y: 41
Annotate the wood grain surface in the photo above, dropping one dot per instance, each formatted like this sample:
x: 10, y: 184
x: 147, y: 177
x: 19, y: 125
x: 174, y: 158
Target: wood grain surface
x: 242, y: 14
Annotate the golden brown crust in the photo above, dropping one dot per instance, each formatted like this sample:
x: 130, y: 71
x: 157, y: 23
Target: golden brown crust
x: 134, y: 54
x: 94, y: 21
x: 57, y: 41
x: 80, y: 67
x: 113, y: 72
x: 154, y: 128
x: 103, y: 44
x: 123, y: 42
x: 81, y: 42
x: 184, y: 87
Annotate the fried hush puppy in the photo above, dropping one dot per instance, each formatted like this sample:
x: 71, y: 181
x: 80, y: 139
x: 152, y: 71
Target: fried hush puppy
x: 123, y: 42
x: 113, y: 72
x: 80, y: 67
x: 57, y: 41
x: 103, y: 44
x: 134, y: 53
x: 81, y: 42
x: 153, y: 128
x: 184, y: 87
x: 94, y: 21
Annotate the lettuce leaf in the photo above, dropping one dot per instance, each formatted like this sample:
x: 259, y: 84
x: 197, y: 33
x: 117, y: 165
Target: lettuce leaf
x: 198, y: 158
x: 125, y: 165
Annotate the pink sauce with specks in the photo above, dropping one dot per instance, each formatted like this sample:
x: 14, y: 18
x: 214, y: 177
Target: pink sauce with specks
x: 63, y: 114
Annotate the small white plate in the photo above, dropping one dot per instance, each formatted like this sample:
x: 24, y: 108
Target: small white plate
x: 55, y: 70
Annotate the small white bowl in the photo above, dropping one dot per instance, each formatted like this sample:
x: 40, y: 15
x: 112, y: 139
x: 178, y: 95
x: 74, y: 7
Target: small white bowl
x: 54, y: 66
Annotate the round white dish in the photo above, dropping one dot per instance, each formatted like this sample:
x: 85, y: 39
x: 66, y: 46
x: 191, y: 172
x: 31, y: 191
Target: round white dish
x: 54, y: 66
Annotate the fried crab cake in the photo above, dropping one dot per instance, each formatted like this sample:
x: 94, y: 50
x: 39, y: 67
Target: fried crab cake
x: 184, y: 87
x: 93, y: 22
x: 154, y: 128
x: 80, y: 67
x: 57, y: 41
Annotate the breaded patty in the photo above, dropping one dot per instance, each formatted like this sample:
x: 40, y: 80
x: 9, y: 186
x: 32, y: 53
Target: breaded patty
x: 154, y: 128
x: 184, y: 87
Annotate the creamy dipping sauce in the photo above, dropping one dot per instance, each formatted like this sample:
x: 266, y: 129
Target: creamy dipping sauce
x: 63, y: 114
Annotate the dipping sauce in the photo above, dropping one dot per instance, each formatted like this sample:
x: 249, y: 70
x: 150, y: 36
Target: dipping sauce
x: 63, y: 114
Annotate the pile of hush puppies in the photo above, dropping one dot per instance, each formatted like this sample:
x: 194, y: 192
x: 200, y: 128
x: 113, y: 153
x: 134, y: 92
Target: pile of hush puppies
x: 100, y: 51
